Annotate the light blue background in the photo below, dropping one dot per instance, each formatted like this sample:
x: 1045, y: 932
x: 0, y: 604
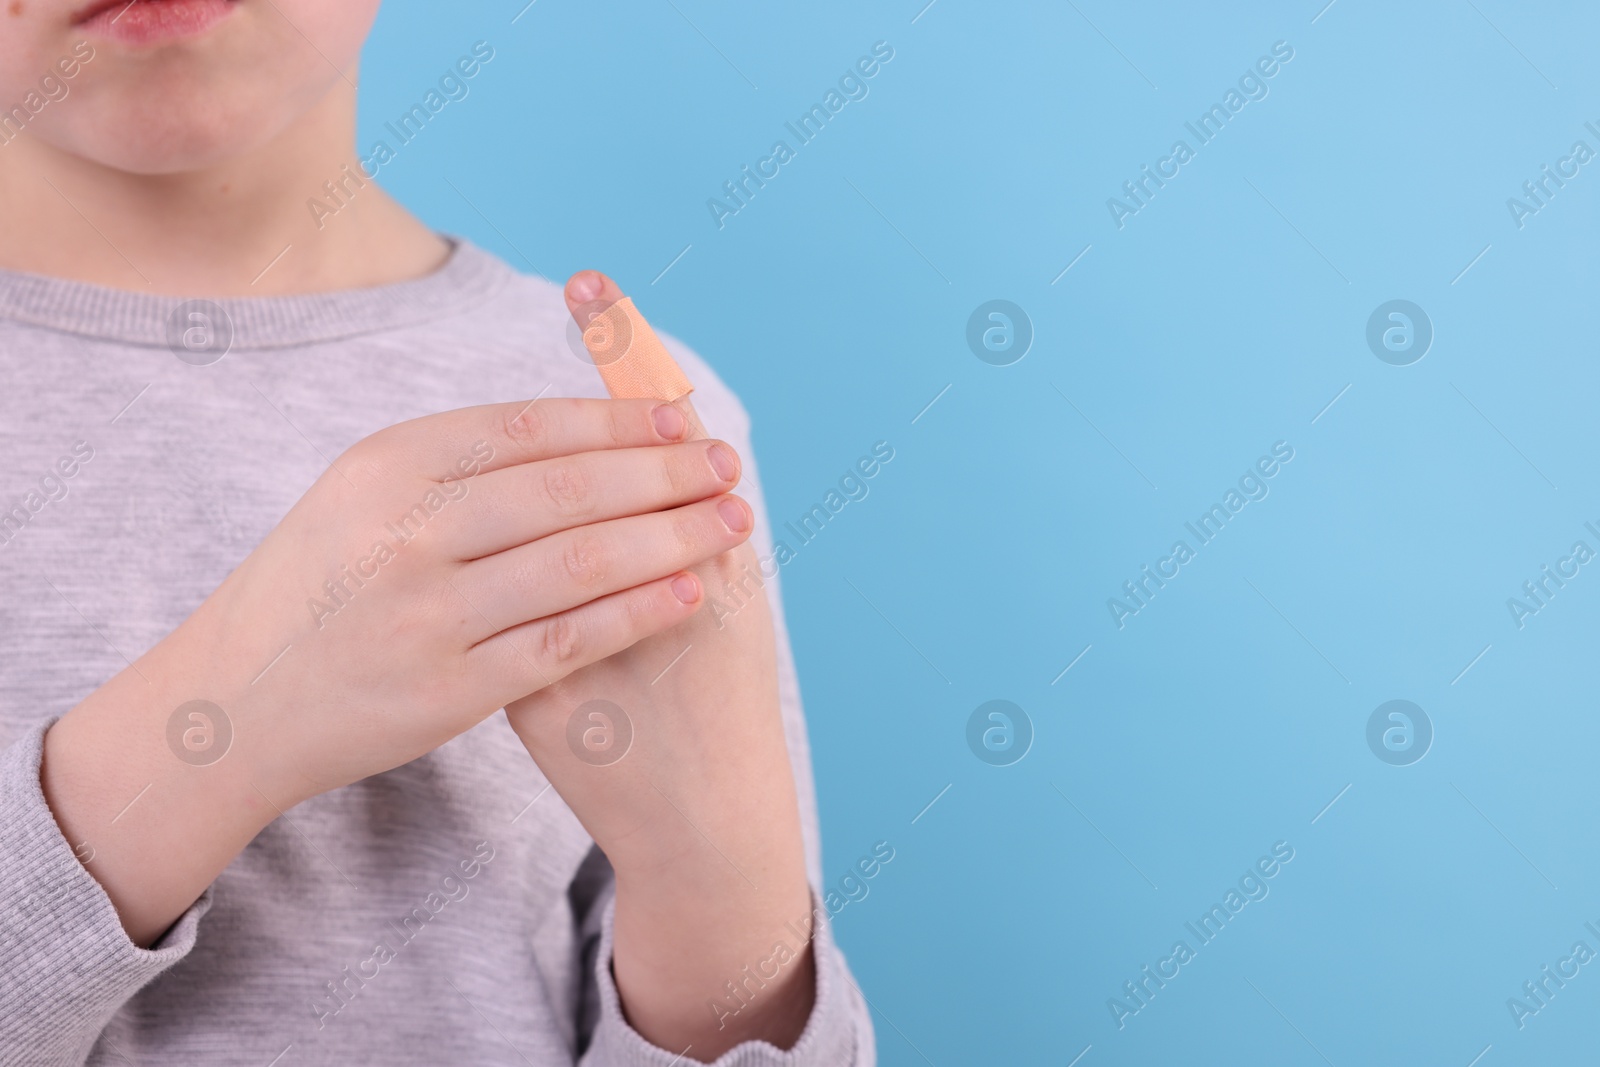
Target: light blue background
x: 1223, y: 318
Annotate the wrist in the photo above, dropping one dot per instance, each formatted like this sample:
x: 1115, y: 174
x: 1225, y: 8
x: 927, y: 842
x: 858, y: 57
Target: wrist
x: 153, y: 789
x: 217, y: 686
x: 703, y: 956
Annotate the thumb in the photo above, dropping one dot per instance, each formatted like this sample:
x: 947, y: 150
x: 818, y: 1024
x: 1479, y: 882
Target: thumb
x: 630, y: 357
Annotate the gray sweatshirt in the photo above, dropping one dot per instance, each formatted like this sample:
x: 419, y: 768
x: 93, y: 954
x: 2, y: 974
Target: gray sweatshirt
x: 451, y: 910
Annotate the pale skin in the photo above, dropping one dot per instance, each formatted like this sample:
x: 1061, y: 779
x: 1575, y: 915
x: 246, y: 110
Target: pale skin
x: 575, y: 565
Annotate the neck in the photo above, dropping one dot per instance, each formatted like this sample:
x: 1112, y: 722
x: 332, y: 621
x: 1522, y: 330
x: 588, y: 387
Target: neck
x: 295, y: 215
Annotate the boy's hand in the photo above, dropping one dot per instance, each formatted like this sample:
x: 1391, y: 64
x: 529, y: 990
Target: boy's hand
x: 699, y: 816
x: 443, y: 567
x: 543, y: 537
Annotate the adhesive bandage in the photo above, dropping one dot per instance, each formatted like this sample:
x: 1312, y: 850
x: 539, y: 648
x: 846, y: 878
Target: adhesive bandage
x: 630, y: 357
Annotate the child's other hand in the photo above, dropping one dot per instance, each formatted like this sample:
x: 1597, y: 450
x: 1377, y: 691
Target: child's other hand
x: 699, y: 817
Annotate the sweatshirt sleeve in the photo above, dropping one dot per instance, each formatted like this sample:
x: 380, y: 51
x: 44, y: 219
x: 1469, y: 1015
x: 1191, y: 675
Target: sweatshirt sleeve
x: 66, y: 964
x: 838, y: 1034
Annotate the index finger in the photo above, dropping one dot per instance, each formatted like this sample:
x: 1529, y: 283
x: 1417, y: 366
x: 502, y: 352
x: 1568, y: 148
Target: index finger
x: 490, y: 437
x: 630, y: 357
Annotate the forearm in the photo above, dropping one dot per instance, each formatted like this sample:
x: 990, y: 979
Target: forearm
x: 154, y: 829
x: 704, y: 836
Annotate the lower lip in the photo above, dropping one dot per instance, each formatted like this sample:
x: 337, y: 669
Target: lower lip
x: 157, y: 21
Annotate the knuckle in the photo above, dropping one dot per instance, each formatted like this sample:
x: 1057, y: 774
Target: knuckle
x: 676, y: 475
x: 583, y: 561
x: 643, y: 608
x: 530, y: 428
x: 689, y: 534
x: 568, y: 489
x: 561, y: 640
x: 367, y: 462
x: 619, y: 424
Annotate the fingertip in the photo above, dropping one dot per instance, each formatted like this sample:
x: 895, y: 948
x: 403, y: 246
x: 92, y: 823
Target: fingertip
x: 686, y: 587
x: 735, y: 513
x: 669, y: 422
x: 724, y: 461
x: 590, y: 292
x: 584, y: 286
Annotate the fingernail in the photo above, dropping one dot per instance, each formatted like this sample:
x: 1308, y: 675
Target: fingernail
x: 686, y: 588
x: 669, y: 421
x: 734, y: 515
x: 584, y: 286
x: 723, y: 461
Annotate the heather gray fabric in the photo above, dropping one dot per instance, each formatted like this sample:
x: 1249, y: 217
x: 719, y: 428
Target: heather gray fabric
x: 177, y: 472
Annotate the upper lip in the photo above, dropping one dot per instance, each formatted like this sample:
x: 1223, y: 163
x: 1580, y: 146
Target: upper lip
x: 89, y: 11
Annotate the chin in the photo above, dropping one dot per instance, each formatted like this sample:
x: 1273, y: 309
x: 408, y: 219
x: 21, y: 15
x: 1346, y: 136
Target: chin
x: 173, y: 149
x: 176, y: 130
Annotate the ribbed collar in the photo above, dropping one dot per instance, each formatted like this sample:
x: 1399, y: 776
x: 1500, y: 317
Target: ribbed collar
x: 467, y: 278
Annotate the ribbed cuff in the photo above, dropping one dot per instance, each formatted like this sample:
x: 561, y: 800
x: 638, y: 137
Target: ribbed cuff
x: 66, y: 964
x: 837, y: 1029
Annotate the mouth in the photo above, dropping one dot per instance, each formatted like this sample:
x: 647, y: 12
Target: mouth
x: 150, y: 22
